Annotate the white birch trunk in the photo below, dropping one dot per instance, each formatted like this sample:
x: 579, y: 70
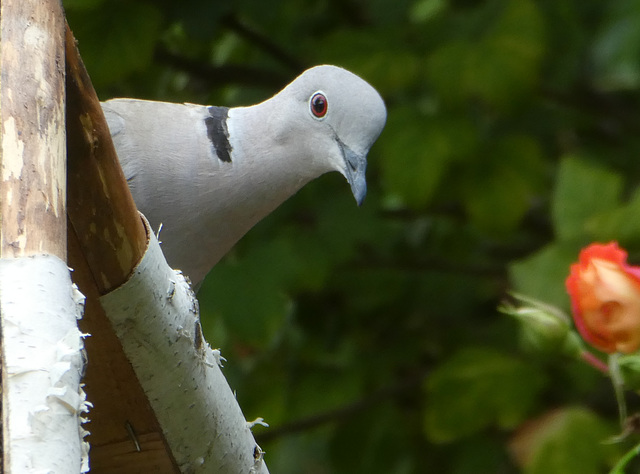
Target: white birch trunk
x: 155, y: 315
x: 42, y: 355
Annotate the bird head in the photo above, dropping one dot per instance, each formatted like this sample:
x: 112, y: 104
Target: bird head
x: 337, y: 117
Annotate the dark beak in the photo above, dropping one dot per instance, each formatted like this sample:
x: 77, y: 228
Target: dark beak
x: 356, y: 165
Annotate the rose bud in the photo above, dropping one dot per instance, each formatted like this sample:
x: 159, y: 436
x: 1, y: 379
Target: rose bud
x: 605, y: 298
x: 543, y: 327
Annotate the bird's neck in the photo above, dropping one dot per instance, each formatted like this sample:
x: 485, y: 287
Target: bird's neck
x: 266, y: 157
x: 263, y: 171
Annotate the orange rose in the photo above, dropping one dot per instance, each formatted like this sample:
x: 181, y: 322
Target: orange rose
x: 605, y: 298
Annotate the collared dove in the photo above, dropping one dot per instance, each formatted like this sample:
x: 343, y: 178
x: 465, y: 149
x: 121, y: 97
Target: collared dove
x: 208, y: 174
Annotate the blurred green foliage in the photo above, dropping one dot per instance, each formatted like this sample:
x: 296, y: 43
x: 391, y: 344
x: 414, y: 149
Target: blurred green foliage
x: 569, y: 441
x: 477, y: 373
x: 369, y: 338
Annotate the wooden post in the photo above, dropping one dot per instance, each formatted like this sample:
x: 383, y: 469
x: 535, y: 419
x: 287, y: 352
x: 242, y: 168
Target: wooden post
x: 42, y: 401
x: 33, y: 154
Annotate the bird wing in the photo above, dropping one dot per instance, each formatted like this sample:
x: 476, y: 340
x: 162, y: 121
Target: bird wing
x: 174, y: 174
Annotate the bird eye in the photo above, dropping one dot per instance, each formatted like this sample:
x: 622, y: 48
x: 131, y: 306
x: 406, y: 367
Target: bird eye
x: 319, y: 105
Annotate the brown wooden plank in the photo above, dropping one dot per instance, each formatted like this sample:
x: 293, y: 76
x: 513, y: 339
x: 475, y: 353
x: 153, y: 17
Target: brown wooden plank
x: 101, y: 209
x: 120, y: 406
x: 106, y: 241
x: 124, y: 457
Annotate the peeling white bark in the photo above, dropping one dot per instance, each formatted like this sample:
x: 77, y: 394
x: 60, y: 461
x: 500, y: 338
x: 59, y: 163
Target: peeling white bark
x: 42, y: 363
x: 155, y: 315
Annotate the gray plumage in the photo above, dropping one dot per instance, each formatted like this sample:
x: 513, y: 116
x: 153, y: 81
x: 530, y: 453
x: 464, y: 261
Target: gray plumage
x: 208, y: 174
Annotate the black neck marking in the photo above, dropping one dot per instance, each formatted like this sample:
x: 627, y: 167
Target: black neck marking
x: 218, y: 132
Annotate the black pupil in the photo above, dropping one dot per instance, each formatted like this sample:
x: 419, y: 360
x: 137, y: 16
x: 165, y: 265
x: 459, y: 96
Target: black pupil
x: 319, y: 105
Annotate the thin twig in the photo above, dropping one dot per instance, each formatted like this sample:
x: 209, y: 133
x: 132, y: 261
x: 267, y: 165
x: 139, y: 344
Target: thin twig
x: 624, y: 460
x: 264, y: 42
x: 216, y: 76
x: 340, y: 413
x: 618, y: 387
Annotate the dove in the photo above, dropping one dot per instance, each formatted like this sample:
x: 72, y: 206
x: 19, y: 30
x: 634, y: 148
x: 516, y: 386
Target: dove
x: 208, y: 174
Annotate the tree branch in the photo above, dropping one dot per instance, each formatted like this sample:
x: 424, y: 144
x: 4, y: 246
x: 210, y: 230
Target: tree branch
x: 217, y: 76
x: 264, y: 43
x: 305, y: 424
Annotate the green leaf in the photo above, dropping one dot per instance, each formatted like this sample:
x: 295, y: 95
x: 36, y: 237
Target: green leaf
x: 499, y: 189
x: 583, y: 189
x: 414, y: 156
x: 424, y: 10
x: 630, y: 368
x: 416, y: 151
x: 390, y: 64
x: 570, y: 441
x: 376, y: 437
x: 617, y: 48
x: 507, y: 64
x: 249, y: 294
x: 342, y: 228
x: 620, y: 224
x: 478, y: 388
x: 542, y: 275
x: 500, y: 67
x: 448, y: 71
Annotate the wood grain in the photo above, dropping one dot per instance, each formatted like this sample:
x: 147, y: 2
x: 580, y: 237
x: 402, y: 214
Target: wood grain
x: 32, y: 152
x: 106, y: 241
